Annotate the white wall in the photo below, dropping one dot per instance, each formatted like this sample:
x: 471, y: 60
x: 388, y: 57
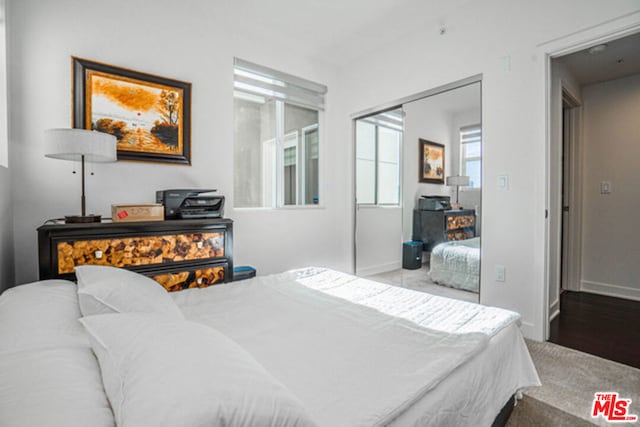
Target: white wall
x: 195, y: 43
x: 505, y: 42
x: 610, y: 250
x: 424, y: 119
x: 379, y: 239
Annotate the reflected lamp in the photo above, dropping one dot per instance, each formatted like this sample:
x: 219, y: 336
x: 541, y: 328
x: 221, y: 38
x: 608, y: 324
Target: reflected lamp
x: 457, y: 181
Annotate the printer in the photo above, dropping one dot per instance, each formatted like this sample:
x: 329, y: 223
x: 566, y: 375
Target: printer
x: 434, y: 203
x: 190, y: 204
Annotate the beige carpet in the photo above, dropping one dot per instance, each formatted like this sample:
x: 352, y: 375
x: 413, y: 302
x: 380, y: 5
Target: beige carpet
x: 569, y: 380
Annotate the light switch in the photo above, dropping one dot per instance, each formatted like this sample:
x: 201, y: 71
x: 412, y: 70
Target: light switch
x: 501, y: 273
x: 605, y: 187
x: 503, y: 182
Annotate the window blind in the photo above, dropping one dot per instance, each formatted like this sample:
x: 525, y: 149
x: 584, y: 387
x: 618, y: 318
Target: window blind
x: 469, y: 134
x: 265, y: 83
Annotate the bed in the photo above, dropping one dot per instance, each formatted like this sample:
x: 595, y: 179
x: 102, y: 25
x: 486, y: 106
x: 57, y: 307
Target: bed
x: 456, y: 264
x: 324, y: 348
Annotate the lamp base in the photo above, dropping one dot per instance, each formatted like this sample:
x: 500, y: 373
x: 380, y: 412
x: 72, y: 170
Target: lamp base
x: 80, y: 219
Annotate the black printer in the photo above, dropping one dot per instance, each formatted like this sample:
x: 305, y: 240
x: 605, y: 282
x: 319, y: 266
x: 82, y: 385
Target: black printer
x: 190, y: 204
x: 434, y: 203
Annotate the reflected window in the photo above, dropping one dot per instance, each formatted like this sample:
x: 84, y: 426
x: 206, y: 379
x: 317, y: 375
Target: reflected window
x: 471, y: 154
x: 378, y: 145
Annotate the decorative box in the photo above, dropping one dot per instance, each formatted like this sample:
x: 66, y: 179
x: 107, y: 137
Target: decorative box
x: 131, y: 213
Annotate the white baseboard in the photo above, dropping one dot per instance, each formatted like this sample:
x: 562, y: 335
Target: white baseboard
x: 554, y: 309
x: 380, y: 268
x: 529, y: 331
x: 610, y: 290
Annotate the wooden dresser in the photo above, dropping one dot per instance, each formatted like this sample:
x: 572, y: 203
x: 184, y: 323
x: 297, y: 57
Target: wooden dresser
x: 433, y: 227
x: 178, y: 254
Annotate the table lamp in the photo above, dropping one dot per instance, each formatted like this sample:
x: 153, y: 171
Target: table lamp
x: 85, y: 146
x: 457, y: 181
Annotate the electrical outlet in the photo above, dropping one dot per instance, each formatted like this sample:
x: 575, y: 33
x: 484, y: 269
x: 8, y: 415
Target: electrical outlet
x: 605, y: 187
x: 501, y: 273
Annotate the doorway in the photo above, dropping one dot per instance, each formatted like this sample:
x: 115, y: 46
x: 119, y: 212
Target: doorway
x: 593, y: 287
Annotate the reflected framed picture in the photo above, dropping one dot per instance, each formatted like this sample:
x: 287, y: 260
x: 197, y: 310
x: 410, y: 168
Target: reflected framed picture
x: 431, y: 162
x: 149, y: 115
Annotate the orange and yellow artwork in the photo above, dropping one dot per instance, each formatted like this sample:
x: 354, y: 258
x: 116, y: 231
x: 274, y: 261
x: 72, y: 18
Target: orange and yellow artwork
x: 150, y: 116
x: 142, y: 116
x: 431, y: 162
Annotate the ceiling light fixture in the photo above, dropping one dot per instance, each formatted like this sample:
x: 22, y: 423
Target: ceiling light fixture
x: 597, y: 49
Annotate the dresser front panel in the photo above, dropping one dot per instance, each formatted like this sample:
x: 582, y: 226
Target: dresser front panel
x: 194, y: 278
x: 140, y: 250
x: 455, y: 222
x: 460, y: 235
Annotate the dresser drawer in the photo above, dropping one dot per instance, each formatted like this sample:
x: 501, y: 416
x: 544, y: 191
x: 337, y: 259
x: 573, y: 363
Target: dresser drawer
x: 139, y: 250
x: 455, y: 222
x: 460, y: 235
x: 194, y: 277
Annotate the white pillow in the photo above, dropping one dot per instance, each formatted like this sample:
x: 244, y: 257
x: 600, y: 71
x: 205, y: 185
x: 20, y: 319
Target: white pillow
x: 41, y: 315
x: 53, y: 387
x: 163, y: 372
x: 115, y: 290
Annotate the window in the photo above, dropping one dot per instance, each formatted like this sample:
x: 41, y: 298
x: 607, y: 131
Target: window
x: 276, y: 137
x: 471, y: 154
x: 378, y: 143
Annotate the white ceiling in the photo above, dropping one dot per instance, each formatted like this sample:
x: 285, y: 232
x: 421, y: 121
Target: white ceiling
x: 603, y: 66
x: 338, y: 30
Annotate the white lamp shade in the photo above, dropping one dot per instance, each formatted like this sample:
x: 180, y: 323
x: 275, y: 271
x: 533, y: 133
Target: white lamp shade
x: 72, y: 144
x: 458, y: 180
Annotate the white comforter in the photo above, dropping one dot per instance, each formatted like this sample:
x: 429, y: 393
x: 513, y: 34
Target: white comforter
x: 351, y: 364
x: 395, y: 357
x: 457, y: 264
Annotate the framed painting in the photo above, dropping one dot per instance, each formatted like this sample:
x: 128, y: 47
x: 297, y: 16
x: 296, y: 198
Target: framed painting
x: 149, y: 115
x: 431, y: 162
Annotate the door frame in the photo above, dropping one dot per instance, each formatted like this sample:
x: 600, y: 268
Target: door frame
x: 605, y: 32
x: 571, y: 267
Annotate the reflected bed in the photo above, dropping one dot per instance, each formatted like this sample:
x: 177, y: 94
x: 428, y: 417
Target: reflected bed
x: 456, y: 264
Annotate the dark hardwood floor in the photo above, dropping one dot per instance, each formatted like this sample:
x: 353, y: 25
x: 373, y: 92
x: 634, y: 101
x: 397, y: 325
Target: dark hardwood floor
x: 605, y: 326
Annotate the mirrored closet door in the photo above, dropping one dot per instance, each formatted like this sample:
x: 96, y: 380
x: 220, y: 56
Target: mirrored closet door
x: 418, y: 170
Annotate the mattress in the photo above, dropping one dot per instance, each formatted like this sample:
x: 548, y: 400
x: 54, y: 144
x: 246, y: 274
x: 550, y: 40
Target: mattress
x: 457, y: 264
x: 355, y: 352
x: 343, y: 378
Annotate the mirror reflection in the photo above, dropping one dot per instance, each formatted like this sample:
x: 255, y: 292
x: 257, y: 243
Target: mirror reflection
x: 418, y: 194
